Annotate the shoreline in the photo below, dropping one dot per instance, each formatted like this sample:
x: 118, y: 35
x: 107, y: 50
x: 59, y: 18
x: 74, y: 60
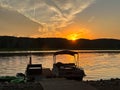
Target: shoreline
x: 108, y: 84
x: 64, y: 84
x: 46, y: 52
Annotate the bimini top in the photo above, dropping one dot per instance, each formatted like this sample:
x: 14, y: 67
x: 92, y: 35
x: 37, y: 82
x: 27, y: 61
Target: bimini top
x: 65, y: 52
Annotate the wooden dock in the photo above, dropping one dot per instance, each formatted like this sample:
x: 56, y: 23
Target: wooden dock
x: 64, y: 84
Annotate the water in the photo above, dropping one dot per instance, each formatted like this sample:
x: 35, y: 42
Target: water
x: 97, y: 65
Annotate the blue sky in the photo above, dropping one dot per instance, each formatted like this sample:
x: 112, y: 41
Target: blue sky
x: 60, y: 18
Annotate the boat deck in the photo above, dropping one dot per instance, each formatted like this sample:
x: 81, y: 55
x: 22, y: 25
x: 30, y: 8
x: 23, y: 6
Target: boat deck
x: 47, y: 73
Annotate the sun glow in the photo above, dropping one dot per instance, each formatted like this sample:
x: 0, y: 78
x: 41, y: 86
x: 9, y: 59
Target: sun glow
x: 73, y: 37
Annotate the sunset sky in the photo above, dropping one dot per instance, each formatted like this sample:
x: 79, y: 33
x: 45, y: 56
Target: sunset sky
x: 71, y: 19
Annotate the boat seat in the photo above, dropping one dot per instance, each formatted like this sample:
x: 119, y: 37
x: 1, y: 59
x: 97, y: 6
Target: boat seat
x: 64, y: 65
x: 34, y: 69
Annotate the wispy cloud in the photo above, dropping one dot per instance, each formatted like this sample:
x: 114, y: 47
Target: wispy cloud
x: 52, y: 14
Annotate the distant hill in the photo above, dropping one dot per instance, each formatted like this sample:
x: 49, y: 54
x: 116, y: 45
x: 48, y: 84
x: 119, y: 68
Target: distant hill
x: 25, y: 43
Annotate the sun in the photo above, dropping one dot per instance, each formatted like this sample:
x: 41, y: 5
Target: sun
x: 73, y: 37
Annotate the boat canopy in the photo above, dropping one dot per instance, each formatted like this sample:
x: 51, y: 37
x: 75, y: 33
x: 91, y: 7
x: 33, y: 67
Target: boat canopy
x: 65, y: 52
x: 69, y: 52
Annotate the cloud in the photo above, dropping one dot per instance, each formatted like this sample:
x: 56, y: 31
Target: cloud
x: 91, y: 19
x: 52, y: 14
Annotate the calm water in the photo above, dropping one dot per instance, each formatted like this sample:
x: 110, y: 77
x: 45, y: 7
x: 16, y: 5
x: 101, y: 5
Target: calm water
x: 96, y: 65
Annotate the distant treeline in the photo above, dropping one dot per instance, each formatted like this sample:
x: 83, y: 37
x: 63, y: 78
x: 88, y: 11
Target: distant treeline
x: 25, y: 43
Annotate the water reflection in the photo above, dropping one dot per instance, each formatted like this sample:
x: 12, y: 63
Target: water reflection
x: 96, y: 65
x: 99, y: 65
x: 11, y: 65
x: 65, y: 58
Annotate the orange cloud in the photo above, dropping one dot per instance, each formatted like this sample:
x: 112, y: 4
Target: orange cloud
x: 76, y: 31
x: 72, y: 32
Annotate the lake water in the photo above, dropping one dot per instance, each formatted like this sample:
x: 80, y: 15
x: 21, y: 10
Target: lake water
x: 97, y: 64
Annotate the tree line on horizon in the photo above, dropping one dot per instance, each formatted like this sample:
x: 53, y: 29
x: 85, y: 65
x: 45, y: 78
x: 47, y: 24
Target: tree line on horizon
x: 25, y: 43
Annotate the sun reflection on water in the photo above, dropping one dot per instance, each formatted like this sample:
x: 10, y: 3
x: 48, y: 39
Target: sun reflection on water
x: 96, y: 65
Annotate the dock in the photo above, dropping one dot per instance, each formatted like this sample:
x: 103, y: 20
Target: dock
x: 64, y: 84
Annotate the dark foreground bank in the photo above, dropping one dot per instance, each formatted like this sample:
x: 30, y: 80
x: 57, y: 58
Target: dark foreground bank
x: 21, y: 86
x: 64, y: 84
x: 112, y: 84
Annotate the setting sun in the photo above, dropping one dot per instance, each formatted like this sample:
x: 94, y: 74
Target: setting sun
x: 73, y: 37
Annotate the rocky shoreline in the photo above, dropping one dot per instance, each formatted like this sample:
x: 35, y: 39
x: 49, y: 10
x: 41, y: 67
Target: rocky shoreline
x: 21, y: 86
x: 111, y: 84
